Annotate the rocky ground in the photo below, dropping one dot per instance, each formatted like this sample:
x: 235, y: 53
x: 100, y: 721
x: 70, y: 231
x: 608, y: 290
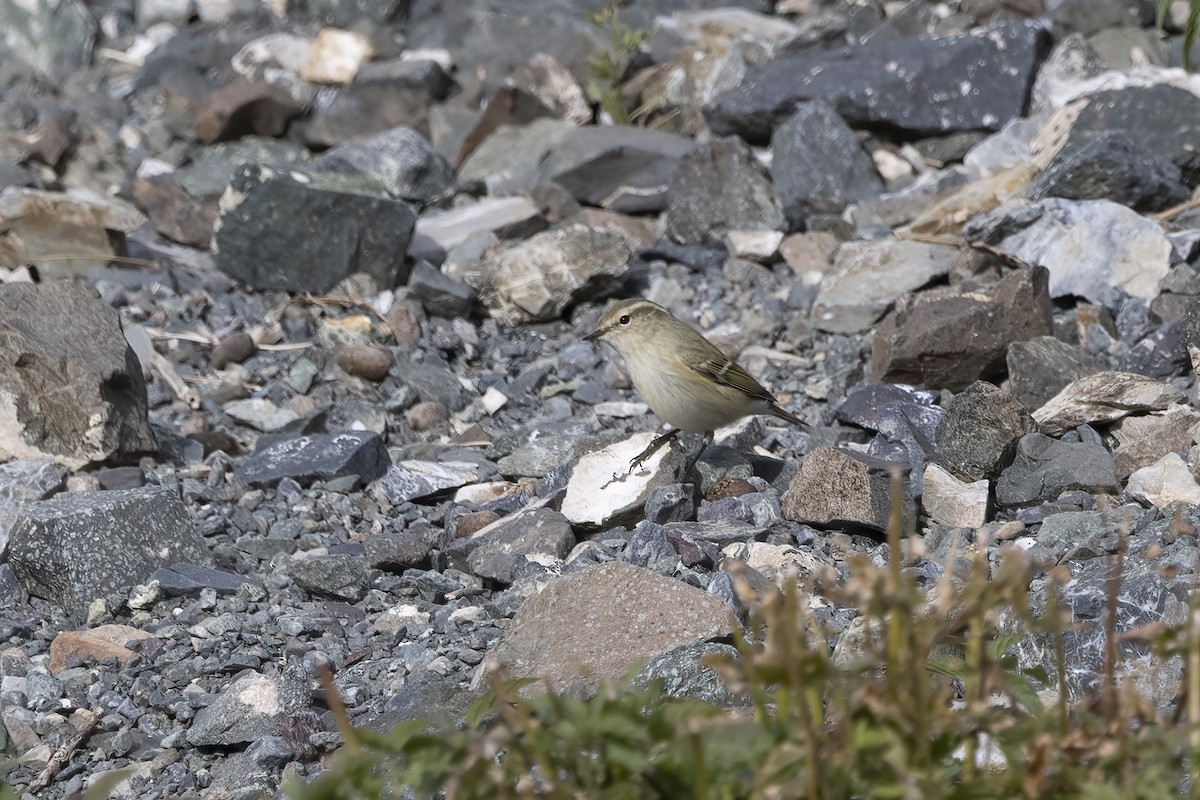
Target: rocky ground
x: 291, y: 369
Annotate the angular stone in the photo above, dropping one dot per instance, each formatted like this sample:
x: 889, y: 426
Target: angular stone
x: 535, y: 280
x: 40, y: 226
x: 602, y: 492
x: 71, y: 387
x: 1113, y: 167
x: 598, y: 623
x: 953, y: 502
x: 341, y: 577
x: 1168, y: 480
x: 672, y: 503
x: 818, y: 165
x: 211, y: 168
x: 435, y: 383
x: 498, y: 554
x: 904, y: 419
x: 779, y: 563
x: 1096, y: 249
x: 409, y: 480
x: 78, y: 546
x: 173, y: 212
x: 978, y: 435
x: 837, y: 487
x: 970, y: 81
x: 1103, y: 397
x: 869, y: 277
x: 1143, y: 440
x: 23, y: 482
x: 249, y: 708
x: 260, y: 414
x: 400, y: 159
x: 720, y: 187
x: 53, y: 38
x: 685, y: 672
x: 94, y: 644
x: 189, y: 580
x: 1044, y: 468
x: 436, y: 233
x: 245, y: 108
x: 509, y: 161
x: 305, y: 231
x: 623, y: 167
x: 364, y: 109
x: 1039, y: 368
x: 440, y: 295
x: 948, y: 338
x: 1071, y: 62
x: 319, y: 457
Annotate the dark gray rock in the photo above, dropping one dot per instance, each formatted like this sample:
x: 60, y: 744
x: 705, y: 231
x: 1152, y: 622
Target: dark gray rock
x: 79, y: 546
x: 509, y: 160
x: 341, y: 577
x: 922, y: 85
x: 818, y: 165
x: 649, y: 546
x: 1162, y: 354
x: 1044, y: 468
x: 400, y: 159
x: 720, y: 187
x: 978, y: 435
x: 53, y: 38
x: 398, y: 550
x: 71, y: 387
x: 210, y: 169
x: 249, y: 708
x: 440, y: 295
x: 904, y: 419
x: 1113, y: 167
x: 621, y: 167
x: 318, y: 457
x: 24, y: 482
x: 1041, y: 367
x: 1080, y: 535
x: 498, y: 553
x: 1160, y: 118
x: 188, y: 580
x: 433, y: 382
x: 684, y: 673
x: 675, y: 502
x: 305, y: 231
x: 363, y: 109
x: 948, y: 338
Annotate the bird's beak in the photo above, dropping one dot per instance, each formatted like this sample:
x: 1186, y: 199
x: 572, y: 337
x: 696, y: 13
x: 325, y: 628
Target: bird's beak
x: 596, y: 334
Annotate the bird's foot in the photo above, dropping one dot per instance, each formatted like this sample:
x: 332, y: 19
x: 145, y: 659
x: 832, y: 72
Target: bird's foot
x: 655, y: 445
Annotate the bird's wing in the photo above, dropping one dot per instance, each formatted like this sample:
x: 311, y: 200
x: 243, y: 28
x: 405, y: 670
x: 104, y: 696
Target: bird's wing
x: 723, y: 371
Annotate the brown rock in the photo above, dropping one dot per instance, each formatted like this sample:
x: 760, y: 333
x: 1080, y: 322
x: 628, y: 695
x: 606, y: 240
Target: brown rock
x: 426, y: 415
x: 368, y: 361
x: 1143, y: 440
x: 729, y: 487
x: 233, y: 349
x: 105, y: 641
x: 175, y: 213
x: 469, y: 524
x: 405, y: 323
x: 244, y: 109
x: 837, y: 487
x: 598, y: 623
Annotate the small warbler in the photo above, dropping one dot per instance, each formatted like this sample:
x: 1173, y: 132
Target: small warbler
x: 683, y: 377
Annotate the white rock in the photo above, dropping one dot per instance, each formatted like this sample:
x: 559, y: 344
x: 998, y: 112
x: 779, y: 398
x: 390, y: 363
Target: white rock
x: 777, y: 561
x: 952, y: 502
x: 602, y: 490
x: 335, y: 56
x: 408, y: 480
x: 620, y: 409
x: 1103, y: 397
x: 468, y: 614
x: 754, y: 245
x: 1168, y: 480
x: 260, y: 413
x: 493, y: 400
x: 446, y: 229
x: 485, y: 492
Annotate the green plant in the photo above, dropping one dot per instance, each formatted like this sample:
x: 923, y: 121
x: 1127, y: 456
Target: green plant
x: 1190, y: 28
x: 608, y: 68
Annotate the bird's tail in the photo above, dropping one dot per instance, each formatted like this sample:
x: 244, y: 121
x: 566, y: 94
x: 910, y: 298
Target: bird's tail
x: 787, y: 416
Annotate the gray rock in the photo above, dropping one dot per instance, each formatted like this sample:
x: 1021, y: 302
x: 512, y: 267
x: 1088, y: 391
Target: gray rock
x: 438, y: 232
x: 1104, y: 397
x: 400, y: 159
x: 509, y: 160
x: 904, y: 420
x: 1159, y: 117
x: 1039, y: 368
x: 434, y: 383
x: 1044, y: 468
x: 189, y: 580
x: 673, y: 503
x: 24, y: 482
x: 79, y: 546
x: 249, y: 708
x: 71, y: 387
x: 398, y: 550
x: 650, y: 547
x: 499, y: 550
x: 971, y: 81
x: 604, y: 620
x: 720, y: 187
x: 440, y: 295
x: 1113, y: 167
x: 1144, y: 439
x: 341, y: 577
x: 685, y: 673
x: 536, y: 279
x: 1070, y: 63
x: 538, y: 457
x: 318, y: 457
x: 818, y: 165
x: 621, y: 167
x: 869, y: 277
x: 838, y: 487
x: 1081, y: 535
x: 53, y: 38
x: 978, y: 435
x: 953, y: 502
x: 212, y: 168
x: 949, y: 338
x: 409, y: 480
x: 363, y: 109
x: 303, y: 231
x: 1096, y: 249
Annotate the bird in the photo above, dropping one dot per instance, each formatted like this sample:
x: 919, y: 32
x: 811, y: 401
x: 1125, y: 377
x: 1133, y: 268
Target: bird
x: 684, y: 378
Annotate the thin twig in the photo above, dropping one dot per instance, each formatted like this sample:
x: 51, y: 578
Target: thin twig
x: 163, y: 367
x: 1175, y: 211
x: 63, y: 754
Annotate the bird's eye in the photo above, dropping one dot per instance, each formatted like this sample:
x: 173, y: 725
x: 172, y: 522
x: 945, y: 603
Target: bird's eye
x: 624, y: 320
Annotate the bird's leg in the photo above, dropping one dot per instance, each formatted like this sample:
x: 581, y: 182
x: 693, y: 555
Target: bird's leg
x: 704, y: 443
x: 655, y: 443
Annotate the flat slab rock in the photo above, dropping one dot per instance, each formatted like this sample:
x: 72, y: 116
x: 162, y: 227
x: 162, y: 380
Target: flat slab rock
x: 323, y: 456
x: 1104, y: 397
x: 602, y: 491
x: 605, y: 620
